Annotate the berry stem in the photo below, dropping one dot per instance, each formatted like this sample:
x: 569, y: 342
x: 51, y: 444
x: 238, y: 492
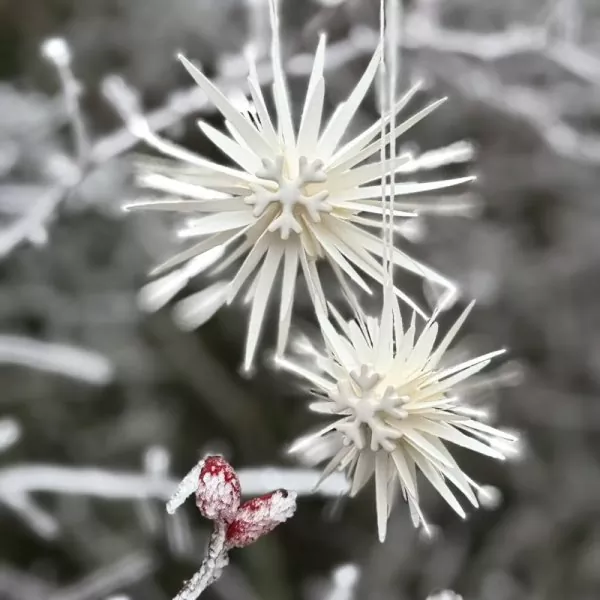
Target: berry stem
x: 216, y: 559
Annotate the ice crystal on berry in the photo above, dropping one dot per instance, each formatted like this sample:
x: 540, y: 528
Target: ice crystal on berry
x: 219, y: 494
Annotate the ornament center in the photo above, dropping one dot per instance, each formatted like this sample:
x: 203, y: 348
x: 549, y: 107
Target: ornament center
x: 293, y: 201
x: 368, y: 409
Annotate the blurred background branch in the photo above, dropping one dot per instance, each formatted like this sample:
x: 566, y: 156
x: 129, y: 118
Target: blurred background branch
x: 91, y: 384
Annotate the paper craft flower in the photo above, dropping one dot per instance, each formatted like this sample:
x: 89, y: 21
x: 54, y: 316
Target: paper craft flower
x: 393, y: 408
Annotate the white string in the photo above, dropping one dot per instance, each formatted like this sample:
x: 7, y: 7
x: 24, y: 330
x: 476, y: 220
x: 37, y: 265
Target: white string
x: 393, y: 17
x: 383, y: 98
x: 388, y: 34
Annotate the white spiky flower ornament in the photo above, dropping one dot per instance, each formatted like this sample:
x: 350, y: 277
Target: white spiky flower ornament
x: 296, y: 196
x: 394, y: 407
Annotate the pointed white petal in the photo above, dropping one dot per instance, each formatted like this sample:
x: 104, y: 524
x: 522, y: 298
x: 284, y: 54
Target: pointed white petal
x: 342, y: 324
x: 455, y: 473
x: 310, y: 124
x: 332, y: 465
x: 439, y: 352
x: 306, y: 440
x: 438, y: 483
x: 339, y: 122
x: 381, y: 496
x: 313, y: 282
x: 484, y: 358
x: 179, y: 187
x: 422, y: 444
x: 405, y: 350
x: 405, y: 474
x: 364, y: 174
x: 268, y: 130
x: 288, y: 285
x: 264, y: 286
x: 254, y: 257
x: 334, y: 255
x: 365, y: 467
x: 247, y: 159
x: 233, y: 132
x: 154, y: 295
x: 416, y: 514
x: 376, y: 223
x: 324, y: 407
x: 400, y: 189
x: 368, y: 208
x: 384, y: 342
x: 220, y: 222
x: 422, y: 349
x: 447, y: 384
x: 361, y: 346
x: 197, y: 309
x: 342, y: 352
x: 207, y: 168
x: 280, y: 91
x: 183, y: 206
x: 371, y: 149
x: 318, y: 65
x: 361, y: 140
x: 487, y: 429
x: 398, y: 325
x: 447, y: 432
x: 310, y: 376
x: 208, y: 244
x: 350, y: 297
x: 252, y: 137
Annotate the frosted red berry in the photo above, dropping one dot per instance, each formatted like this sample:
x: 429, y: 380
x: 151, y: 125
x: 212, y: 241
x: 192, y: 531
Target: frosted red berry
x: 218, y: 494
x: 260, y: 516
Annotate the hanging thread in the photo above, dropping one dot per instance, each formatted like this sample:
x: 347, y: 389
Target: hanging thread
x: 388, y: 77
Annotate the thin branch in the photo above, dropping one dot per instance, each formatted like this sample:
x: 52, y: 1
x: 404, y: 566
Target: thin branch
x: 70, y: 361
x: 58, y: 53
x: 18, y: 483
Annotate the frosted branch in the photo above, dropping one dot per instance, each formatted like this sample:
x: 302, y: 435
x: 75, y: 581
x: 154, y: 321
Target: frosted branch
x: 18, y: 483
x: 217, y: 558
x: 69, y: 361
x: 185, y: 489
x: 58, y: 53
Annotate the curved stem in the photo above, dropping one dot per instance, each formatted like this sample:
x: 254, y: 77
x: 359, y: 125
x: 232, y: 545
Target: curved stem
x: 212, y: 566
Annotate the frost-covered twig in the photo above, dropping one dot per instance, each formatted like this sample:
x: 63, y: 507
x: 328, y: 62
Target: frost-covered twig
x: 217, y: 558
x: 64, y: 172
x: 62, y: 359
x: 58, y: 53
x: 18, y: 483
